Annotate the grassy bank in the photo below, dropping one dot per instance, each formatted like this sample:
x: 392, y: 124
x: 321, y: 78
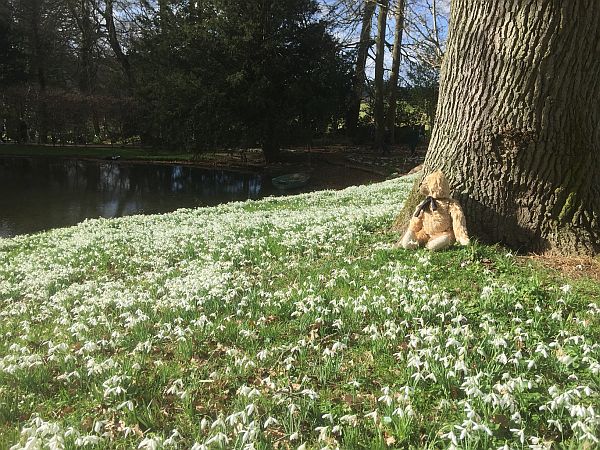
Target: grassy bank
x: 91, y: 151
x: 289, y: 323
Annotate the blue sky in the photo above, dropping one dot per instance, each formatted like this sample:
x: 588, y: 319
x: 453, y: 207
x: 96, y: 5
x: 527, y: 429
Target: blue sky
x: 419, y: 26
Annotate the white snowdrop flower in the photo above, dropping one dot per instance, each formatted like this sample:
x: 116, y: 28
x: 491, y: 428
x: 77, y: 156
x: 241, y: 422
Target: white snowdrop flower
x: 539, y: 444
x: 128, y: 404
x: 220, y: 438
x: 203, y: 423
x: 218, y: 423
x: 234, y: 418
x: 567, y: 360
x: 584, y: 432
x: 486, y: 292
x: 322, y: 433
x: 328, y: 416
x: 482, y: 427
x: 520, y: 433
x: 386, y: 397
x: 270, y: 421
x: 88, y: 439
x: 452, y: 342
x: 565, y: 288
x: 150, y: 443
x: 301, y: 447
x: 198, y: 446
x: 71, y: 432
x: 99, y: 425
x: 171, y: 440
x: 556, y: 424
x: 294, y: 436
x: 310, y: 394
x: 350, y: 419
x: 249, y: 392
x: 452, y: 437
x: 371, y: 415
x: 338, y: 346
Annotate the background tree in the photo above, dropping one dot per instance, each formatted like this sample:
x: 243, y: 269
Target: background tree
x: 379, y: 106
x: 36, y: 21
x: 115, y: 42
x: 12, y: 68
x: 421, y: 91
x: 242, y: 74
x: 518, y: 124
x: 362, y: 52
x: 395, y: 73
x: 426, y: 26
x: 206, y: 74
x: 84, y: 16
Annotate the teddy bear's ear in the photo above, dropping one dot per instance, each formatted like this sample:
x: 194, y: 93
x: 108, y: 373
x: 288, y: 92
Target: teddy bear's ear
x: 424, y: 187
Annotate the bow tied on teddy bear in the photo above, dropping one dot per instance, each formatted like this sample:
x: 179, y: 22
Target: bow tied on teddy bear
x: 438, y: 221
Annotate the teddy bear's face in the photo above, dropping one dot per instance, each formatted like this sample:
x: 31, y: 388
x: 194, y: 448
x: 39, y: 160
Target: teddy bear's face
x: 435, y: 185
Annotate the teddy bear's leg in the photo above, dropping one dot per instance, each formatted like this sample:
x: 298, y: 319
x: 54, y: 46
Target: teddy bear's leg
x: 441, y: 241
x: 412, y: 238
x: 409, y: 240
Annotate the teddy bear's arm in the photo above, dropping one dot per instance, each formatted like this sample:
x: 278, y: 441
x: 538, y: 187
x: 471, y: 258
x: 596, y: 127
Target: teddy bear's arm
x: 411, y: 240
x: 459, y: 224
x: 416, y: 223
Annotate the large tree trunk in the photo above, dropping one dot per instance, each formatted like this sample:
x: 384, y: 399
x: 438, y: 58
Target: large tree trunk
x: 379, y: 110
x: 518, y: 122
x: 393, y: 84
x: 358, y: 84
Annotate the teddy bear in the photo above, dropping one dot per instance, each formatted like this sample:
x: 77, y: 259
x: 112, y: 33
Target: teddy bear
x: 439, y: 221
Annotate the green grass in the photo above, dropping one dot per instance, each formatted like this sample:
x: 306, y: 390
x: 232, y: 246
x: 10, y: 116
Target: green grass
x: 286, y: 323
x: 91, y: 151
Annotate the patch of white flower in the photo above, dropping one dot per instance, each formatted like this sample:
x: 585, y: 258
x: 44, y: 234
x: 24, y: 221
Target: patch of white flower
x: 148, y: 319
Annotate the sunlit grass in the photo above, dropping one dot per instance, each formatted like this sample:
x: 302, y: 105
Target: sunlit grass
x: 288, y: 323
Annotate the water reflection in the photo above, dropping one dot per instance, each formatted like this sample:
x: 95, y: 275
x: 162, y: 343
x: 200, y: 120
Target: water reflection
x: 37, y: 194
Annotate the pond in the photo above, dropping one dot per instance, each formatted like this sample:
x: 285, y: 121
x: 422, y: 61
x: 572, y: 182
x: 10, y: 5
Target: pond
x: 42, y: 193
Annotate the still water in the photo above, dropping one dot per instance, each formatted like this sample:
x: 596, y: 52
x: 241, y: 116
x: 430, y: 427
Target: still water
x: 38, y: 194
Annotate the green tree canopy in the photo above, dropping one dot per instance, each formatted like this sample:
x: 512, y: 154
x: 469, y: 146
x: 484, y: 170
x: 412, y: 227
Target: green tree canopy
x: 241, y: 73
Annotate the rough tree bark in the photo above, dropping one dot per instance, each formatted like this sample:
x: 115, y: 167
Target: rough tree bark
x: 518, y: 122
x: 398, y: 30
x: 358, y: 84
x: 379, y: 110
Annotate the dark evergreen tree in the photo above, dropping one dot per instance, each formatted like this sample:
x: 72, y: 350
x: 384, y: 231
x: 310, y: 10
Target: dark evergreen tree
x: 12, y: 69
x: 242, y: 73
